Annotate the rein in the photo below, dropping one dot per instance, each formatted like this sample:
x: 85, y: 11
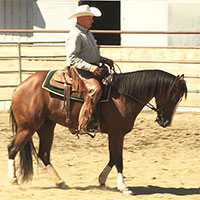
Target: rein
x: 149, y: 105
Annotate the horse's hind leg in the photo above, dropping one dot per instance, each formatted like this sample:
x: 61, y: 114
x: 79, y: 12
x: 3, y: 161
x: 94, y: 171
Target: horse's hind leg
x: 22, y: 138
x: 46, y: 133
x: 11, y: 166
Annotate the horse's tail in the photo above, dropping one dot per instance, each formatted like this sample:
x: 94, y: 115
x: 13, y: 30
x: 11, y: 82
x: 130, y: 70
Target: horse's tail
x: 25, y: 153
x: 26, y: 161
x: 13, y: 121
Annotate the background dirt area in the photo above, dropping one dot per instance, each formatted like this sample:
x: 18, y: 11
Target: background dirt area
x: 158, y: 163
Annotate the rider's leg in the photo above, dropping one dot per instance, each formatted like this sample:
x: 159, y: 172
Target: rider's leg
x: 90, y: 102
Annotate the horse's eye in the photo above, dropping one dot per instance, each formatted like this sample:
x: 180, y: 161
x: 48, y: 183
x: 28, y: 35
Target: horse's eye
x: 176, y: 100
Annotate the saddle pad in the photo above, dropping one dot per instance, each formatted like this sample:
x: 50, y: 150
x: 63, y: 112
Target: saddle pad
x: 74, y: 95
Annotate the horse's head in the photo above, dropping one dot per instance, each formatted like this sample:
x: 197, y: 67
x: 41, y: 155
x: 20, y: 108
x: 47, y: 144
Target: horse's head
x: 167, y: 104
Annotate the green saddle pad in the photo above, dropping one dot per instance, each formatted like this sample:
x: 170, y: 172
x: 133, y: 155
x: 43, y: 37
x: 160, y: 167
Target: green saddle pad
x: 74, y: 95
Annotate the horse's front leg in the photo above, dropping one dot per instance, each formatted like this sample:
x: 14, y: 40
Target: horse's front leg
x: 106, y: 171
x: 104, y: 174
x: 116, y: 151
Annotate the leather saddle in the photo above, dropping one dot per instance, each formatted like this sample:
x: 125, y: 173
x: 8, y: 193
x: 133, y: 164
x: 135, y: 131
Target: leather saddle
x: 61, y: 78
x: 60, y: 82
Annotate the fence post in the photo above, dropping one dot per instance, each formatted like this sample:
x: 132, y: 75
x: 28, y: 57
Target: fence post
x: 20, y: 62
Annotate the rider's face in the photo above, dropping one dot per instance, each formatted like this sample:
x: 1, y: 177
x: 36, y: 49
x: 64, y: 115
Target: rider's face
x: 85, y: 21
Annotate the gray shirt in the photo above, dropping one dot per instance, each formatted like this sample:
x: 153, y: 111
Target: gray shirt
x: 81, y: 48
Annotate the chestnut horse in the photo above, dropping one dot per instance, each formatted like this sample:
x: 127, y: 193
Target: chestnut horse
x: 35, y: 109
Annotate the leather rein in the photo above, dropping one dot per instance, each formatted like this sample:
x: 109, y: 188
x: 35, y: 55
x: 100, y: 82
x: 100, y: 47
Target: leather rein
x: 149, y: 105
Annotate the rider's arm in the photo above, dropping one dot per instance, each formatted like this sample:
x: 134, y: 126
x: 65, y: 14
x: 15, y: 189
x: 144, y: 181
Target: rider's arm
x: 73, y: 48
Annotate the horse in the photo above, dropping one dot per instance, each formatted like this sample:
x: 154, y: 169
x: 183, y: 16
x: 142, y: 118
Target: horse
x: 34, y: 109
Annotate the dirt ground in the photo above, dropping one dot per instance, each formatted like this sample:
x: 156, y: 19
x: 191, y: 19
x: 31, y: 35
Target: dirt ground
x: 158, y: 163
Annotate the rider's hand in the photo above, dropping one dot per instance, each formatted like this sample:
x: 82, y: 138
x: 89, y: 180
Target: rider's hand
x: 95, y: 70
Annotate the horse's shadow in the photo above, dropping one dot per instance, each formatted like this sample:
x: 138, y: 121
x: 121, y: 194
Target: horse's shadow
x: 150, y: 189
x: 139, y: 190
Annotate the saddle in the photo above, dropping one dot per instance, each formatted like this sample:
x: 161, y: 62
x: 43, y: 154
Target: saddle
x: 59, y: 82
x: 61, y: 78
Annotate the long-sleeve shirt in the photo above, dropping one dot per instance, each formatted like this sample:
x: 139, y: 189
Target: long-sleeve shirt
x: 81, y: 48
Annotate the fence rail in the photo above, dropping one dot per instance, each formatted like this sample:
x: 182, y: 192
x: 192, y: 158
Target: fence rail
x: 98, y: 31
x: 20, y: 58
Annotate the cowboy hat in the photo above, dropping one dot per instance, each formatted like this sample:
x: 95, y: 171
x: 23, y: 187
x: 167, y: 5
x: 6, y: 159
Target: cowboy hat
x: 85, y: 10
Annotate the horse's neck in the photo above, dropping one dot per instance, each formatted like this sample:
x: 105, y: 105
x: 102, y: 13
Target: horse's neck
x: 132, y: 87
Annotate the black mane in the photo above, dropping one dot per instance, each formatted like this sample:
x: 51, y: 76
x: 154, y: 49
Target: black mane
x: 144, y: 82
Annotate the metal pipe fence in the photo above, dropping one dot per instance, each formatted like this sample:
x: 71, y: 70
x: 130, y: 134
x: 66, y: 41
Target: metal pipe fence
x: 21, y: 57
x: 99, y: 31
x: 20, y: 45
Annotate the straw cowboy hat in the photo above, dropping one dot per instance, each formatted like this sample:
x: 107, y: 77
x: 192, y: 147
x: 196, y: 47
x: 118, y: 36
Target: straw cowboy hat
x: 85, y: 10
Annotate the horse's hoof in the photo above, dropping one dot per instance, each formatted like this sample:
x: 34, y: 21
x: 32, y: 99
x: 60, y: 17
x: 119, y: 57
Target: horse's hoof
x: 73, y: 130
x: 127, y: 192
x: 102, y: 185
x: 13, y: 182
x: 62, y: 185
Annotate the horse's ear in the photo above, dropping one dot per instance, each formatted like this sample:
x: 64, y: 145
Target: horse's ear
x: 180, y: 83
x: 179, y: 78
x: 182, y: 77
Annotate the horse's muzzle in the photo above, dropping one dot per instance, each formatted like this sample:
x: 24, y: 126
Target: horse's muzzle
x: 163, y: 122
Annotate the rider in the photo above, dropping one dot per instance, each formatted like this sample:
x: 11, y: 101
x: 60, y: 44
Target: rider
x: 84, y: 58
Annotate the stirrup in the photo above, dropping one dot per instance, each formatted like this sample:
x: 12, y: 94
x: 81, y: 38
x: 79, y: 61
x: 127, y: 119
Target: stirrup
x: 93, y: 129
x: 76, y: 133
x: 81, y: 132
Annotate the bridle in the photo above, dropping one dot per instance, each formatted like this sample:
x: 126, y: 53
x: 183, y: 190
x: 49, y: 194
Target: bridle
x: 149, y: 105
x: 159, y: 111
x: 160, y: 118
